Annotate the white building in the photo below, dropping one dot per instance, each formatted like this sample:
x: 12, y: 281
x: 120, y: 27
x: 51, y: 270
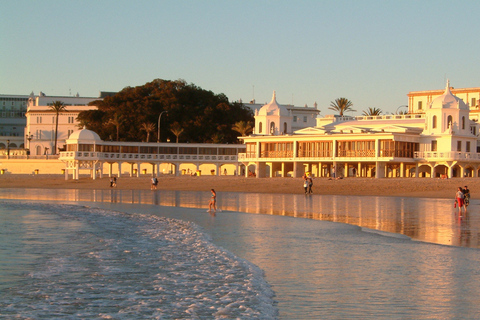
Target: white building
x: 440, y: 142
x: 40, y: 126
x: 298, y: 117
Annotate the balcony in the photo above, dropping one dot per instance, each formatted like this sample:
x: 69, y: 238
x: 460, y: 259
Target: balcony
x: 446, y: 156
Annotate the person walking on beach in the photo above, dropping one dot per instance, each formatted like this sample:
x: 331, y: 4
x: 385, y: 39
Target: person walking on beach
x: 459, y: 200
x: 114, y: 181
x: 213, y: 201
x: 154, y: 183
x: 111, y: 182
x: 310, y: 184
x: 466, y: 196
x: 305, y: 185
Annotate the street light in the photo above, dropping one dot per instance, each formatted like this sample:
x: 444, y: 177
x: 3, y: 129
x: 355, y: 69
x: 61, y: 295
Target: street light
x: 404, y: 106
x: 8, y: 147
x: 159, y: 117
x: 29, y: 138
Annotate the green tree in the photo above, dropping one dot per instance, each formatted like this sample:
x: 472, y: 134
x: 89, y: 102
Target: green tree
x: 201, y: 113
x: 148, y: 127
x: 341, y: 105
x: 372, y: 112
x: 117, y: 122
x: 243, y: 127
x: 176, y: 129
x: 57, y: 107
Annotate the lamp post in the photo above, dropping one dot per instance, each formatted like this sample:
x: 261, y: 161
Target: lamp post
x: 29, y: 138
x: 404, y: 106
x: 159, y: 117
x: 8, y: 148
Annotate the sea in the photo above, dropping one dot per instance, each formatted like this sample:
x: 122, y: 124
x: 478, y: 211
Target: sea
x: 141, y: 254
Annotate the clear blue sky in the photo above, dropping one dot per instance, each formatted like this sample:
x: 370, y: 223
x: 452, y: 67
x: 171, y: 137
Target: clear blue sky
x: 371, y: 52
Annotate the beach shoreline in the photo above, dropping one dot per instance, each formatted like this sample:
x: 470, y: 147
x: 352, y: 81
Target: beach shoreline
x: 402, y: 187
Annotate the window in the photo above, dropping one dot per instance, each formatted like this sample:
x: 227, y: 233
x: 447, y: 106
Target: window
x: 284, y: 127
x: 294, y: 118
x: 474, y: 102
x: 304, y: 118
x: 419, y: 105
x: 272, y: 127
x: 467, y: 146
x: 259, y: 127
x: 449, y: 121
x: 434, y: 122
x: 434, y: 145
x: 459, y: 145
x: 463, y: 123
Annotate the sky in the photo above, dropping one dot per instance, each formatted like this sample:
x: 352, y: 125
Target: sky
x: 371, y: 52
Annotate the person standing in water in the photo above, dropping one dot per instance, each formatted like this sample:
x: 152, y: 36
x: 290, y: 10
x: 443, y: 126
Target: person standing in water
x: 213, y: 201
x: 466, y: 196
x: 459, y: 200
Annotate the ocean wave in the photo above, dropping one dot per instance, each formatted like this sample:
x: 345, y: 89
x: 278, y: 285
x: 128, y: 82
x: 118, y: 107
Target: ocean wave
x: 134, y: 266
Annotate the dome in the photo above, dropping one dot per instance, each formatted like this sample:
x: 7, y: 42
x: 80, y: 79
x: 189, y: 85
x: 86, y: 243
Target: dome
x: 448, y: 101
x: 273, y: 108
x: 84, y: 135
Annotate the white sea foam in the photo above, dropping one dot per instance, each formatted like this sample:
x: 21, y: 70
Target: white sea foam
x: 112, y: 265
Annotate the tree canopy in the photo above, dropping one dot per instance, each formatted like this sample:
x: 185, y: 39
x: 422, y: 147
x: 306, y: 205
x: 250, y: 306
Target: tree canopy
x: 203, y: 116
x: 372, y: 112
x: 341, y: 105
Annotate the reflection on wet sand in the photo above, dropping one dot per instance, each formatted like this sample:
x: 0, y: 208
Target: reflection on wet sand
x: 431, y: 220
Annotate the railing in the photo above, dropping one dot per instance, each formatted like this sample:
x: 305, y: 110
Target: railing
x: 90, y: 155
x: 450, y: 155
x: 21, y: 157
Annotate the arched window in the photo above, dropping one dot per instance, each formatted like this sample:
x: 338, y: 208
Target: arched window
x: 38, y: 150
x: 272, y: 127
x: 463, y: 123
x: 449, y: 121
x: 285, y: 127
x: 259, y: 127
x: 434, y: 122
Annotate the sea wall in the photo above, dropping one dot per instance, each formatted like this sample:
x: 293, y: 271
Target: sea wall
x: 55, y: 166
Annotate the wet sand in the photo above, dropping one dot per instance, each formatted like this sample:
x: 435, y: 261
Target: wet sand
x: 405, y: 187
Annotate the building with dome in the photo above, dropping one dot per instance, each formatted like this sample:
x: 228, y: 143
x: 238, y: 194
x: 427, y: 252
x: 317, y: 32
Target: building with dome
x: 87, y: 153
x: 439, y: 142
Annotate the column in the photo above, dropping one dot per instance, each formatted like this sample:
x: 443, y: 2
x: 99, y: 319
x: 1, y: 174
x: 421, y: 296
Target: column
x: 345, y: 173
x: 402, y: 170
x: 119, y: 169
x: 380, y: 168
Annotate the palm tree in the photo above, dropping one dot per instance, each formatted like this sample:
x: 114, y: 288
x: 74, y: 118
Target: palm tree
x: 117, y: 122
x: 243, y: 127
x: 372, y: 112
x: 148, y: 127
x: 176, y: 129
x: 57, y: 107
x: 341, y: 105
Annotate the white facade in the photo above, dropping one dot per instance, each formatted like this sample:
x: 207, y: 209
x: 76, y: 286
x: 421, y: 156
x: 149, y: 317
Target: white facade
x: 439, y: 142
x: 40, y: 126
x: 273, y: 118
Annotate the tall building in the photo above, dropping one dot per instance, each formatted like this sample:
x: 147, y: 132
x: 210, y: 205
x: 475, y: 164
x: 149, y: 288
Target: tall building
x: 41, y: 120
x: 12, y: 120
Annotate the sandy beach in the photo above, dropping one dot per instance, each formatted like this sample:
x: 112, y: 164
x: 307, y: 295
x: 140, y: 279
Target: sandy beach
x: 406, y: 187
